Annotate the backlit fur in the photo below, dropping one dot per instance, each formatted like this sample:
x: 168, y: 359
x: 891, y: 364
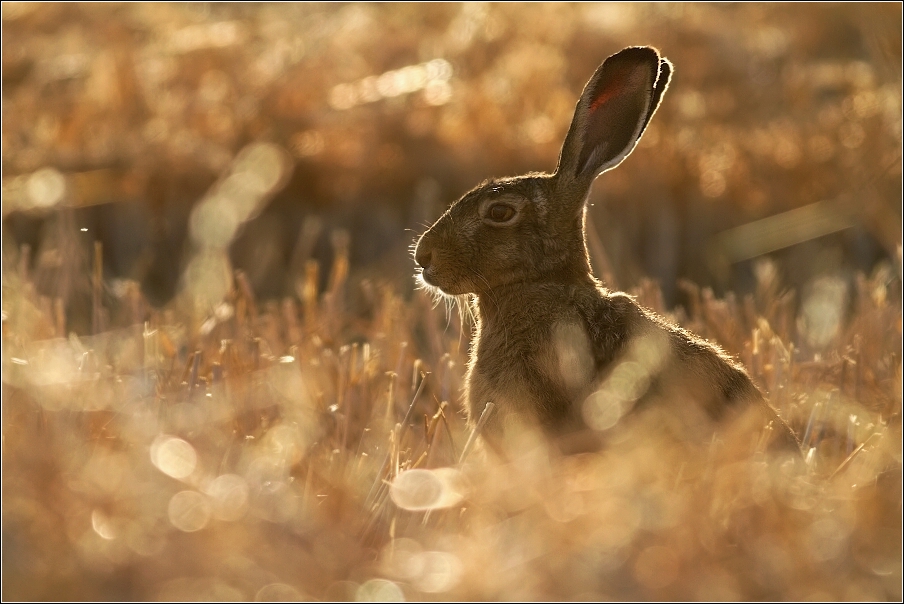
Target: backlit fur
x: 550, y: 344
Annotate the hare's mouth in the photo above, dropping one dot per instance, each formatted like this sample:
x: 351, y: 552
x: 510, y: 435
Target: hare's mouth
x: 430, y: 279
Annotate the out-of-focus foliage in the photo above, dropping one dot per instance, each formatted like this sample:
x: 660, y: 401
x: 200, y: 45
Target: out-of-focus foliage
x: 295, y: 452
x: 391, y: 111
x: 291, y: 430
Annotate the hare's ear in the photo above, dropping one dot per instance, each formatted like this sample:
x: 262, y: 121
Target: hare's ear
x: 611, y: 114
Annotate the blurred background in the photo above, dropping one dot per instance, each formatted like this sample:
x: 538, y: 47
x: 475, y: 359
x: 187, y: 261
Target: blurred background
x: 217, y: 379
x: 780, y: 138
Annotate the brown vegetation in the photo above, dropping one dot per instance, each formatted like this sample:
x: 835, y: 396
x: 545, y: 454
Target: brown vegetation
x: 256, y: 436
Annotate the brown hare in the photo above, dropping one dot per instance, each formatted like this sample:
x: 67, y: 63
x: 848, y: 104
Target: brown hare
x: 551, y: 345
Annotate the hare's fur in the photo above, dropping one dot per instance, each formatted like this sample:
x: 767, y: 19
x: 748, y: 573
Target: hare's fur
x: 550, y: 343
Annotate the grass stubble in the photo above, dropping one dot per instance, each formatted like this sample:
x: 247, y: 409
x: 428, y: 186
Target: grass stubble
x: 312, y: 449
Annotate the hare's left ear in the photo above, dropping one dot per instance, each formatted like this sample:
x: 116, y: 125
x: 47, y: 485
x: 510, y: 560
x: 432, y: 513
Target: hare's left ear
x: 611, y: 114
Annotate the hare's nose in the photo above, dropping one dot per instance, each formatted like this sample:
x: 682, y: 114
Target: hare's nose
x: 423, y: 256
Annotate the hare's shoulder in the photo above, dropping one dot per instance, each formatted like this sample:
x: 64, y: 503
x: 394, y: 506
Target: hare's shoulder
x: 616, y: 320
x: 612, y: 319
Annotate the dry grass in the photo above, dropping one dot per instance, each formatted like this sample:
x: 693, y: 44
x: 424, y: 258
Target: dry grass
x: 241, y: 448
x: 249, y: 454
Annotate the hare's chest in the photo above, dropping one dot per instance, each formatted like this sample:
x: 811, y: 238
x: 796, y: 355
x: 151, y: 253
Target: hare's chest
x: 541, y: 376
x: 568, y: 358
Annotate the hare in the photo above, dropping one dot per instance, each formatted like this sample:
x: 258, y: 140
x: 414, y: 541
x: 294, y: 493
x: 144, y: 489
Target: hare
x: 551, y: 344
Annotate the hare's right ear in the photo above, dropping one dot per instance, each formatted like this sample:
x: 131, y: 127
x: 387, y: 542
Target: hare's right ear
x: 611, y: 114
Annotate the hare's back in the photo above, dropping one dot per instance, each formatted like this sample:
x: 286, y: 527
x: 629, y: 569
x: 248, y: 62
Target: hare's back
x: 686, y: 379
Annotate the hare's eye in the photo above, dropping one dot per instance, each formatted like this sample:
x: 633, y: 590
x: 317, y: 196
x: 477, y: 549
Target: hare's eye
x: 500, y: 212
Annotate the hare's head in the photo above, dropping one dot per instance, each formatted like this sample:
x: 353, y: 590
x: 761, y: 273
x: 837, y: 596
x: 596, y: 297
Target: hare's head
x: 530, y: 228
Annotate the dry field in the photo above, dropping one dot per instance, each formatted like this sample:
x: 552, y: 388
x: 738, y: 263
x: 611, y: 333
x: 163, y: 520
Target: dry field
x: 272, y: 452
x: 293, y: 431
